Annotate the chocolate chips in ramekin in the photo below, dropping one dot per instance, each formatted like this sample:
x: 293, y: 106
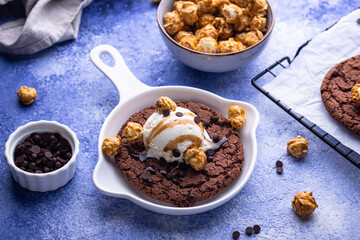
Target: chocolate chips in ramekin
x: 42, y: 152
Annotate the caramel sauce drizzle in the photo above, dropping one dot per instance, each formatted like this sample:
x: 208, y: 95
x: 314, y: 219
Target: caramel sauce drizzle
x: 162, y: 126
x: 172, y: 145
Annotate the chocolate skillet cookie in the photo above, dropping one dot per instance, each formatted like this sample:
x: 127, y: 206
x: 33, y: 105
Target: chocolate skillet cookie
x: 180, y: 184
x: 336, y: 93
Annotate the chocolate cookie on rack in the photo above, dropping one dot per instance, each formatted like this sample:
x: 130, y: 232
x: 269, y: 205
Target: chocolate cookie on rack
x: 338, y: 90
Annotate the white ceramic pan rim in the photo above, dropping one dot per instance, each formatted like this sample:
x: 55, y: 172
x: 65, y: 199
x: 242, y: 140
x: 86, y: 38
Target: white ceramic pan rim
x: 135, y: 96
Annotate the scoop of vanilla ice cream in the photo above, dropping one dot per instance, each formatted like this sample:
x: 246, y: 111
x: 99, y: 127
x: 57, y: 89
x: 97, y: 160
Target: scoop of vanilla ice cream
x: 177, y: 131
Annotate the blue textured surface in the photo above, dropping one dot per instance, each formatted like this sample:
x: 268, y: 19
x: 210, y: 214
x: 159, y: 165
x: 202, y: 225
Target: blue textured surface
x: 72, y: 91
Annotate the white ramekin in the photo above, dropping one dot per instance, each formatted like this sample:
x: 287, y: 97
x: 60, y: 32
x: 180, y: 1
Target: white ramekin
x: 42, y: 182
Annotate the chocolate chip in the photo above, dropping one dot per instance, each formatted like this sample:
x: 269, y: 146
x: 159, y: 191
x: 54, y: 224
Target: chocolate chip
x: 58, y: 165
x: 197, y: 120
x: 19, y: 159
x: 36, y: 138
x: 52, y: 138
x: 163, y: 172
x: 46, y: 169
x: 249, y: 230
x: 162, y: 161
x: 176, y: 153
x: 24, y: 164
x: 257, y: 228
x: 48, y: 154
x: 207, y: 123
x: 210, y: 158
x: 279, y: 164
x: 34, y: 156
x: 194, y: 111
x: 166, y: 112
x: 236, y: 235
x: 216, y: 138
x: 150, y: 169
x: 210, y: 152
x: 38, y: 171
x: 214, y: 118
x: 179, y: 114
x: 35, y: 149
x: 335, y: 73
x: 145, y: 176
x: 180, y: 174
x: 150, y: 181
x: 358, y: 20
x: 169, y: 175
x: 68, y: 155
x: 175, y: 180
x: 279, y: 170
x: 191, y: 197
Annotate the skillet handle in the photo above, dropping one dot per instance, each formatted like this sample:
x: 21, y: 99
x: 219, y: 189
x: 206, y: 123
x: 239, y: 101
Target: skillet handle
x: 120, y: 75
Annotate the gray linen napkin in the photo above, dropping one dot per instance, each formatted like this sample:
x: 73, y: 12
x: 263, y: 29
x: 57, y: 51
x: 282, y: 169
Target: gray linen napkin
x: 47, y: 22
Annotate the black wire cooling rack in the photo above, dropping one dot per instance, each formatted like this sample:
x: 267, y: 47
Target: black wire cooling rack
x: 271, y: 73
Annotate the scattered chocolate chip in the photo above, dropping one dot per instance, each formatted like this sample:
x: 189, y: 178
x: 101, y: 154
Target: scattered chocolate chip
x: 150, y: 181
x: 249, y: 230
x: 279, y: 170
x: 358, y: 20
x: 210, y: 152
x: 207, y: 123
x: 163, y: 172
x: 175, y: 180
x: 162, y: 162
x: 335, y: 73
x: 210, y: 158
x: 176, y: 153
x: 35, y: 149
x: 214, y: 118
x: 257, y: 228
x: 279, y: 164
x: 166, y: 112
x: 197, y: 120
x: 191, y: 197
x: 216, y: 138
x: 236, y: 235
x: 179, y: 114
x: 169, y: 175
x: 150, y: 169
x: 145, y: 176
x: 180, y: 174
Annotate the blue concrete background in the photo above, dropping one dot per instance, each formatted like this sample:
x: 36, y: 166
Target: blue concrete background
x: 72, y: 91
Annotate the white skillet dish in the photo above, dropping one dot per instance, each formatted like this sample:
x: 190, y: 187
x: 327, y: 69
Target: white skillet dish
x: 135, y: 96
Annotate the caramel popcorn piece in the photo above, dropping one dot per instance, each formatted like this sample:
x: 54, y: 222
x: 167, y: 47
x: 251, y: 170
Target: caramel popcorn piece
x: 26, y: 95
x: 189, y: 41
x: 206, y: 6
x: 133, y: 132
x: 258, y: 23
x: 110, y: 146
x: 240, y: 37
x: 181, y: 34
x: 231, y: 12
x: 219, y: 3
x: 241, y: 3
x: 224, y: 29
x: 230, y: 46
x: 206, y: 19
x: 196, y: 158
x: 178, y: 6
x: 207, y: 45
x: 207, y: 31
x: 258, y: 7
x: 189, y: 13
x: 356, y: 94
x: 252, y: 37
x: 304, y: 203
x: 173, y: 22
x: 164, y: 103
x: 244, y: 22
x: 236, y: 116
x: 297, y: 147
